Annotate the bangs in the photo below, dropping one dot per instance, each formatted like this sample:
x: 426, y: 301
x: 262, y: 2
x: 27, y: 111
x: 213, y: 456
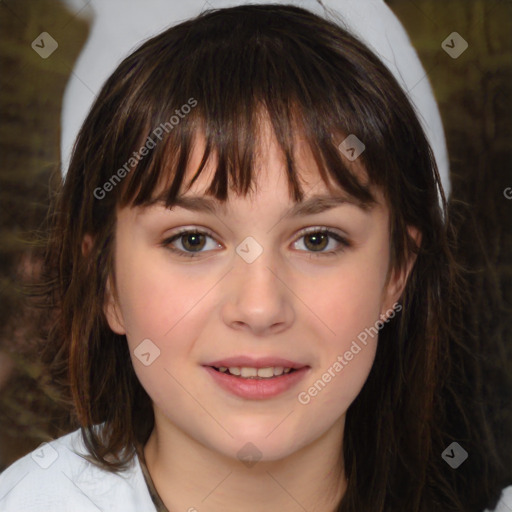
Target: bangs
x: 221, y: 75
x: 234, y: 155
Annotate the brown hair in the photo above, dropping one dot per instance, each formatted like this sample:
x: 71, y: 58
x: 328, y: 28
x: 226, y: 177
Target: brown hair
x: 311, y: 77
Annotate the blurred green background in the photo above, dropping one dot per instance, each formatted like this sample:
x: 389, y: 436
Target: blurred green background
x: 474, y: 96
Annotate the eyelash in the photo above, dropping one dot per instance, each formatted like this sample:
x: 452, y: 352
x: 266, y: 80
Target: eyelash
x: 325, y: 231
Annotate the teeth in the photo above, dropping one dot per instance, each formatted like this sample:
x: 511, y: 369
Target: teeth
x: 262, y: 372
x: 248, y: 372
x: 251, y: 373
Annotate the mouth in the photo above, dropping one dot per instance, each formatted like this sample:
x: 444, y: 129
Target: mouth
x: 245, y: 372
x: 257, y: 379
x: 248, y: 367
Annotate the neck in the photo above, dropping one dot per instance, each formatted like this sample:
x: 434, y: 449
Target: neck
x: 190, y: 476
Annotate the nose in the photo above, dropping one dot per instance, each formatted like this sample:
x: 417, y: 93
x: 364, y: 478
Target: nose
x: 258, y: 297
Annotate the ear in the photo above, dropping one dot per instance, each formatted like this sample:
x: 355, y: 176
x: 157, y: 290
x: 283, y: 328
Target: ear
x: 398, y: 277
x: 111, y: 309
x: 87, y: 243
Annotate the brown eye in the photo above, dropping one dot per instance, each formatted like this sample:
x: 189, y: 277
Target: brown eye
x: 193, y: 241
x: 189, y: 243
x: 316, y: 241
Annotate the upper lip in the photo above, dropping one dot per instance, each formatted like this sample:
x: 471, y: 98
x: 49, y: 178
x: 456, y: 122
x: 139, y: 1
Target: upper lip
x: 255, y: 362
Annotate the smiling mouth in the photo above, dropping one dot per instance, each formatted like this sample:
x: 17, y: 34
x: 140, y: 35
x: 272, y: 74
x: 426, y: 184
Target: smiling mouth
x: 255, y: 373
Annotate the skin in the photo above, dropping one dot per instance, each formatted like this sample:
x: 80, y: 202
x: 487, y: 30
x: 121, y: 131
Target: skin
x: 288, y: 302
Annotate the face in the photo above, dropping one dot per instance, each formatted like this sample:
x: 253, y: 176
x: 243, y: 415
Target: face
x: 263, y: 282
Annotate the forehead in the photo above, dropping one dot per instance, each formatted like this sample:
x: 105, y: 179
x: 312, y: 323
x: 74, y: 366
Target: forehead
x: 270, y: 178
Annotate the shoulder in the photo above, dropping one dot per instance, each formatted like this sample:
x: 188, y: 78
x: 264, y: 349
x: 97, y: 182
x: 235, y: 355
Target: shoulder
x: 56, y: 476
x: 505, y: 502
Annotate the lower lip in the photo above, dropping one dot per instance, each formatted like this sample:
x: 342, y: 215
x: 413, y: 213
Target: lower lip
x: 257, y: 389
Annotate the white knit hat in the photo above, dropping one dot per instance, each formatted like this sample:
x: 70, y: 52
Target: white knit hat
x: 120, y: 26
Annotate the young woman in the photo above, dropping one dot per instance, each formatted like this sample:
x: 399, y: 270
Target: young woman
x: 254, y: 300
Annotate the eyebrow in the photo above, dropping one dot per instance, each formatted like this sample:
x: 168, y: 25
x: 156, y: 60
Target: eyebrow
x: 311, y: 206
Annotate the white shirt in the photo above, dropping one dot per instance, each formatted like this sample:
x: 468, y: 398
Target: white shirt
x: 55, y: 478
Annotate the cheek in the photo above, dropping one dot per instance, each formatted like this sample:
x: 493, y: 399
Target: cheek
x: 349, y: 300
x: 152, y: 299
x: 159, y: 306
x: 347, y: 355
x: 349, y: 306
x: 167, y: 306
